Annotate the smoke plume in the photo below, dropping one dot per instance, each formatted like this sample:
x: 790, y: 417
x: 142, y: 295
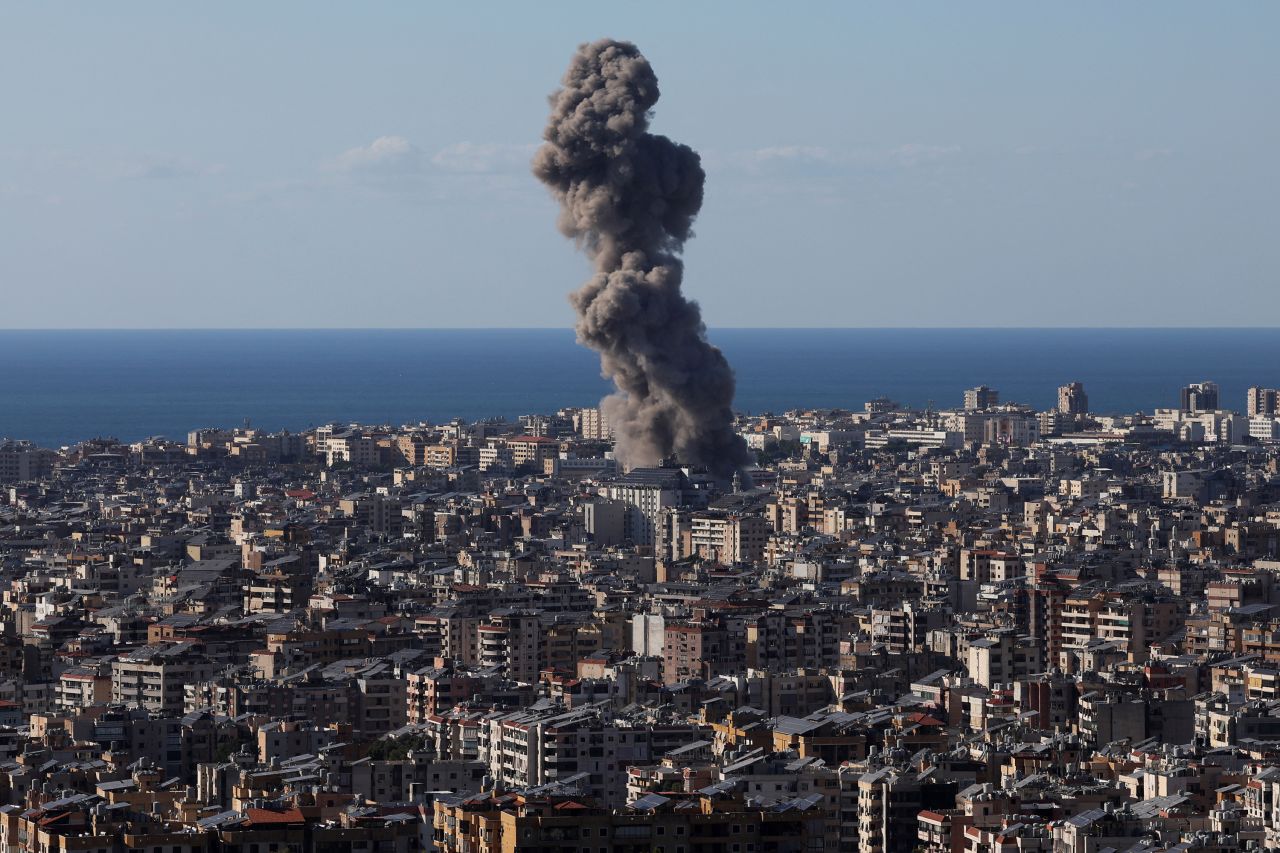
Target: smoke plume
x: 629, y: 198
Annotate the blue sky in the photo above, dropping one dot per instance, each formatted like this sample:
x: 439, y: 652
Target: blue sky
x: 914, y: 164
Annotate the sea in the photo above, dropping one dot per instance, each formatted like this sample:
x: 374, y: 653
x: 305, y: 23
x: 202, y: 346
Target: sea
x: 60, y: 387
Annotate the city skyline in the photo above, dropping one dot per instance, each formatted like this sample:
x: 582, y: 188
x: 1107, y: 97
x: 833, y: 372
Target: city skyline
x: 386, y: 468
x: 1006, y: 167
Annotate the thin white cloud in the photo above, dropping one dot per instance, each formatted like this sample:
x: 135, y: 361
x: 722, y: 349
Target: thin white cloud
x: 473, y: 157
x: 396, y: 156
x: 386, y: 154
x: 394, y: 166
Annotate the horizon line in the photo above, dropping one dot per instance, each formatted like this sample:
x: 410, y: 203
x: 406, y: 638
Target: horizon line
x: 570, y: 328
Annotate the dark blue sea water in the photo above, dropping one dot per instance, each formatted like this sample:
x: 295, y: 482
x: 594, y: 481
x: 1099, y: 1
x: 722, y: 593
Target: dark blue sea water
x: 57, y: 387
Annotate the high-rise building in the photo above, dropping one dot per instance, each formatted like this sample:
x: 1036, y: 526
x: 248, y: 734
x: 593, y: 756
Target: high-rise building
x: 1262, y: 401
x: 1072, y: 400
x: 982, y: 397
x: 593, y: 425
x: 646, y: 492
x: 22, y: 460
x: 1200, y: 397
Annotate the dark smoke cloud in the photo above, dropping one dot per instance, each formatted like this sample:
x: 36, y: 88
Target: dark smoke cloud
x: 629, y: 198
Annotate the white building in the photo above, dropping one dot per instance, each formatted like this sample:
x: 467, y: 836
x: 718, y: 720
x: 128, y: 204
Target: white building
x: 914, y: 438
x: 351, y: 447
x: 1208, y: 427
x: 1264, y: 427
x: 647, y: 493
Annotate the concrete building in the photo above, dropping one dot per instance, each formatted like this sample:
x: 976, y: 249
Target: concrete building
x: 513, y: 640
x: 1264, y: 427
x: 878, y: 439
x: 1015, y: 428
x: 350, y: 447
x: 532, y: 451
x: 647, y: 492
x: 154, y: 677
x: 1072, y: 400
x: 691, y: 650
x: 1004, y: 659
x: 982, y: 397
x: 21, y: 461
x: 1262, y: 401
x: 593, y: 425
x: 1203, y: 426
x: 728, y: 538
x: 1200, y: 397
x: 533, y: 747
x: 888, y: 803
x: 714, y: 822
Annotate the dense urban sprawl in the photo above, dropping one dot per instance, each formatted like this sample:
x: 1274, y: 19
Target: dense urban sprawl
x: 986, y: 629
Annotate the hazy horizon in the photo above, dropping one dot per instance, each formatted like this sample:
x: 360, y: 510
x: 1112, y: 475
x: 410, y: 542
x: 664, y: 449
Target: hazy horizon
x: 65, y: 386
x: 569, y: 328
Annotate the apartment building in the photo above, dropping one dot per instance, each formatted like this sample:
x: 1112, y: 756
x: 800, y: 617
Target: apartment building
x: 593, y: 425
x: 532, y: 451
x: 648, y: 493
x: 1004, y: 658
x: 21, y: 461
x: 1072, y: 399
x: 436, y: 689
x: 728, y: 538
x: 154, y: 677
x: 783, y: 641
x: 1130, y: 624
x: 982, y: 397
x: 513, y: 640
x: 350, y: 447
x: 714, y: 822
x: 531, y: 747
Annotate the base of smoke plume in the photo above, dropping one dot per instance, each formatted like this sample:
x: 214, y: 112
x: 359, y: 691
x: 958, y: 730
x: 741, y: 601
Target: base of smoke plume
x: 628, y: 198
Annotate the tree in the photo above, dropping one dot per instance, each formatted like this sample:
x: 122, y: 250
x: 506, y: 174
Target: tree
x: 397, y: 749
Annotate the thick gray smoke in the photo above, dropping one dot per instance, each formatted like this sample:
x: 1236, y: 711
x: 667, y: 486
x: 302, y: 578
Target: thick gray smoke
x: 629, y: 198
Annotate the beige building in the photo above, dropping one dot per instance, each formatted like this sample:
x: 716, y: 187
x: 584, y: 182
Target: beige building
x: 513, y: 640
x: 412, y: 449
x: 496, y: 456
x: 22, y: 460
x: 1072, y: 400
x: 81, y: 687
x: 154, y: 677
x: 593, y: 425
x: 982, y: 397
x: 1130, y: 624
x: 1004, y: 658
x: 728, y: 538
x: 352, y: 447
x: 532, y: 450
x: 1262, y: 401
